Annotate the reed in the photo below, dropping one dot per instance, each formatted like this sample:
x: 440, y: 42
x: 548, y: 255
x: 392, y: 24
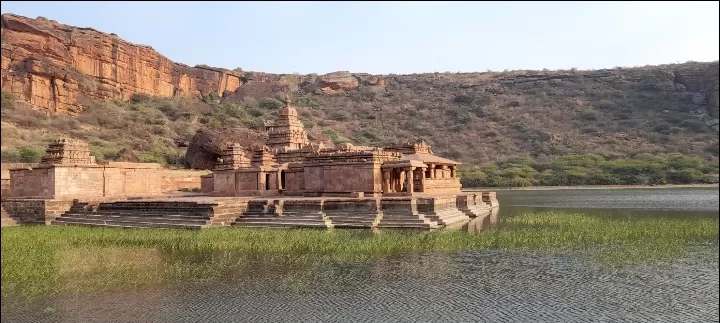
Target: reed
x: 38, y: 260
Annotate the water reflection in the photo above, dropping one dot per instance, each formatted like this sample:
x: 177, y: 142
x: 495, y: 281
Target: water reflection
x: 668, y: 202
x: 482, y: 222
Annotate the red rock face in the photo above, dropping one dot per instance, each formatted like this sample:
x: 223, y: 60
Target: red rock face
x: 50, y: 65
x: 339, y: 81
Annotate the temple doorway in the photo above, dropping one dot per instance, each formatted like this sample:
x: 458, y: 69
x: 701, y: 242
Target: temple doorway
x: 282, y: 180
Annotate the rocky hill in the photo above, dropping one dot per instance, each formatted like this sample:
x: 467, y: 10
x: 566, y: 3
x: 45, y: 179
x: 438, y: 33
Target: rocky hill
x: 63, y: 80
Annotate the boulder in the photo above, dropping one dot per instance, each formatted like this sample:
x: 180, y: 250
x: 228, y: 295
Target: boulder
x: 338, y: 81
x: 126, y: 155
x: 207, y: 145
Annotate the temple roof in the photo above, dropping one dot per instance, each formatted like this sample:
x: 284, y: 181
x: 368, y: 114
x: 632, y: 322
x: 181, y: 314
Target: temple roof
x: 288, y: 109
x: 430, y: 159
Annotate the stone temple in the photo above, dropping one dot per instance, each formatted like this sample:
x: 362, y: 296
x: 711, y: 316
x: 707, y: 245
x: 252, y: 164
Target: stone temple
x: 289, y: 165
x: 287, y: 181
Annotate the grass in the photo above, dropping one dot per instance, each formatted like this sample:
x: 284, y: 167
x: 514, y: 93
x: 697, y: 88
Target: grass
x: 45, y: 260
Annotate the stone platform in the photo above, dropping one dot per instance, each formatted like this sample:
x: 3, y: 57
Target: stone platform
x: 196, y: 212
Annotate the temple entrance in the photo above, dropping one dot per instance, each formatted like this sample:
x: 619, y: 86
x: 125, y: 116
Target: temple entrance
x: 282, y: 180
x: 267, y: 182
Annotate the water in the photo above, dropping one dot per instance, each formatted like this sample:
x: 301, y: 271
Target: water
x: 478, y: 286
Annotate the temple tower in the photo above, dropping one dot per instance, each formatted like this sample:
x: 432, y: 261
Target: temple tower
x: 287, y: 131
x: 68, y: 151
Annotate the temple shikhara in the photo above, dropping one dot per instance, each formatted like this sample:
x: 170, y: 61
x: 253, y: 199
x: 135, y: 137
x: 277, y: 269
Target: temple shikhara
x: 286, y: 181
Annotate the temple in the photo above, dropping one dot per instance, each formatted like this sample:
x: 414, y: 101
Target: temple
x: 289, y: 165
x: 285, y: 181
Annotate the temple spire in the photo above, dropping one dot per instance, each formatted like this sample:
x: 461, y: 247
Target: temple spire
x: 287, y: 100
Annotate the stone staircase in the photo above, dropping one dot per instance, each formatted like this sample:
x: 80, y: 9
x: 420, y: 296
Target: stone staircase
x: 353, y: 214
x: 283, y: 214
x: 147, y: 214
x: 396, y: 220
x: 344, y: 220
x: 447, y: 216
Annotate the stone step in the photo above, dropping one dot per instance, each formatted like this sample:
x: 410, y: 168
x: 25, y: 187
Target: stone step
x: 248, y: 213
x: 370, y: 222
x: 278, y: 220
x: 353, y: 226
x: 158, y: 206
x: 454, y: 219
x: 408, y: 225
x: 150, y: 213
x: 281, y: 224
x: 386, y: 221
x: 166, y: 219
x: 302, y: 213
x: 156, y: 209
x: 297, y: 217
x: 353, y: 217
x: 144, y: 215
x: 479, y: 211
x: 363, y: 222
x: 115, y: 224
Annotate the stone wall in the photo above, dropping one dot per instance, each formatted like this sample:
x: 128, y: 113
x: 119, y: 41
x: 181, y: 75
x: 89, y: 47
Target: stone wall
x: 38, y: 183
x: 178, y: 179
x: 442, y: 185
x: 91, y: 181
x: 32, y: 211
x: 86, y: 181
x: 132, y: 181
x: 342, y: 178
x: 207, y: 183
x: 224, y: 182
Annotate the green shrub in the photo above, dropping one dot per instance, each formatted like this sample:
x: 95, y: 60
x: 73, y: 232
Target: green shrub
x: 270, y: 103
x: 589, y: 115
x: 30, y: 154
x: 152, y: 158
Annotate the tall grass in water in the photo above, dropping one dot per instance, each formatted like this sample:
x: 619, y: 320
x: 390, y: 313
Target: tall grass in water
x: 42, y: 260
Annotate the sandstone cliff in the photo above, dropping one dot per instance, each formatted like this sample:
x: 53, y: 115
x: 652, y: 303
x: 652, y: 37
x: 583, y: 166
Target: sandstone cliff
x: 52, y: 66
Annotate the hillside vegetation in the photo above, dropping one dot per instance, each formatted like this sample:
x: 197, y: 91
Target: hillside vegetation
x: 620, y: 126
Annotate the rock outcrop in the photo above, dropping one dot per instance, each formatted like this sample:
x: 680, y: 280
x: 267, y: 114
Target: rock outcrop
x: 51, y: 66
x: 338, y: 81
x: 207, y: 145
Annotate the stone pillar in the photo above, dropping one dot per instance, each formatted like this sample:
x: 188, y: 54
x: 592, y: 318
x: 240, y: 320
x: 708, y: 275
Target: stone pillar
x: 386, y: 181
x: 452, y: 171
x: 261, y: 181
x: 431, y: 170
x: 278, y: 180
x: 400, y: 180
x: 410, y: 171
x: 422, y: 180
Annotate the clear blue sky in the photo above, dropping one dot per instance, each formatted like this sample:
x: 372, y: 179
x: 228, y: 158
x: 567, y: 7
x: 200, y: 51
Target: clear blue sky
x: 402, y: 37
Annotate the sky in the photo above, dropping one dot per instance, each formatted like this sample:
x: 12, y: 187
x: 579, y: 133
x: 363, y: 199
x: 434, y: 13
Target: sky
x: 402, y: 37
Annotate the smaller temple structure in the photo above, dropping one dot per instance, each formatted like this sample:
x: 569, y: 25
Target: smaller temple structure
x: 68, y: 152
x: 67, y: 171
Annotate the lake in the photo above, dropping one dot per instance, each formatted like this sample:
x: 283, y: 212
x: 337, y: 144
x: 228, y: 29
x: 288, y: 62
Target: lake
x: 488, y: 285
